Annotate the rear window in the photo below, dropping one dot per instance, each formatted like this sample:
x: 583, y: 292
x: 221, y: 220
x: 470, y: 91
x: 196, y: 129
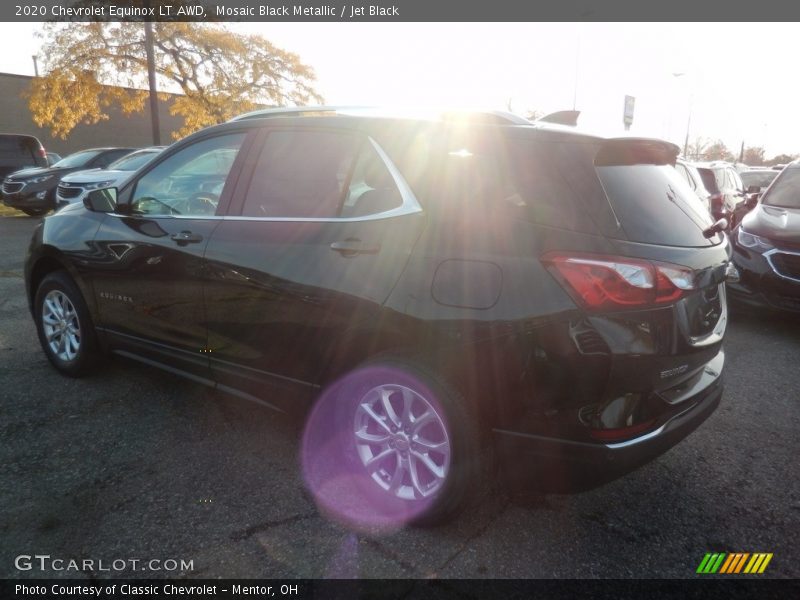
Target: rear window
x: 760, y: 178
x: 19, y: 151
x: 785, y: 192
x: 652, y: 202
x: 549, y: 183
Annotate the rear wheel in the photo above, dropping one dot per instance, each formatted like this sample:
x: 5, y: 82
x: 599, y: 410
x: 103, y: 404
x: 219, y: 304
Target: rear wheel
x: 65, y: 328
x: 407, y: 441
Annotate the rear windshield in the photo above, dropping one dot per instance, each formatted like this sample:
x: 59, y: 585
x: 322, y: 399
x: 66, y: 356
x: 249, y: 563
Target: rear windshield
x: 652, y: 202
x: 760, y: 178
x: 19, y: 151
x: 785, y: 193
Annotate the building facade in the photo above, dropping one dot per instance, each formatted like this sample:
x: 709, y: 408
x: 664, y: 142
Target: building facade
x: 118, y: 130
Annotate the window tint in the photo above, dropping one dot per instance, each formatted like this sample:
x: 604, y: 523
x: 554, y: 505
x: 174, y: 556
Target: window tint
x: 189, y: 182
x: 655, y: 205
x: 372, y: 188
x: 302, y: 174
x: 785, y: 192
x: 552, y: 184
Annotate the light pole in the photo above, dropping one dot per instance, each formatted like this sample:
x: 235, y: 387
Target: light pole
x: 151, y: 77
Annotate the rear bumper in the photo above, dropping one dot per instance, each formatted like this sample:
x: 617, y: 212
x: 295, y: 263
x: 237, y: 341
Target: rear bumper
x: 527, y: 459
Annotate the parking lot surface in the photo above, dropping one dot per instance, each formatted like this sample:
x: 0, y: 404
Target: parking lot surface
x: 134, y: 463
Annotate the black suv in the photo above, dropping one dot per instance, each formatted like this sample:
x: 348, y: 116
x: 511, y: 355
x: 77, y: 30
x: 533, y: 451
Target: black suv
x: 33, y: 190
x: 435, y: 287
x: 19, y: 152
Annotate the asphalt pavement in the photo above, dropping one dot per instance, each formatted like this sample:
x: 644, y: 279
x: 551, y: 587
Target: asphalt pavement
x: 133, y: 463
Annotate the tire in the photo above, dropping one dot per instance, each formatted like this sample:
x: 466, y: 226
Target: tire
x: 419, y: 472
x: 65, y: 328
x: 34, y: 212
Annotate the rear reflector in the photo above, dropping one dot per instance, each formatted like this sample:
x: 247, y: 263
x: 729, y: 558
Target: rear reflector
x: 621, y: 434
x: 613, y: 282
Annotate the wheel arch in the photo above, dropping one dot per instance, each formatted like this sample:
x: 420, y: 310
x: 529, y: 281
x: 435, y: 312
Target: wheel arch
x: 48, y: 262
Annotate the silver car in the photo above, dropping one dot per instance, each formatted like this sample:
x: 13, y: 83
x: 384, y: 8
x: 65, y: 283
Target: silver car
x: 75, y: 186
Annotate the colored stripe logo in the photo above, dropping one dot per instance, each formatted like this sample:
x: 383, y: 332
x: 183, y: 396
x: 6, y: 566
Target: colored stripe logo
x: 734, y: 563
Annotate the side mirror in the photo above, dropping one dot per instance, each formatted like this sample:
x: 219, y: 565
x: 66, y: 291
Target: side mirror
x: 754, y: 189
x: 103, y: 200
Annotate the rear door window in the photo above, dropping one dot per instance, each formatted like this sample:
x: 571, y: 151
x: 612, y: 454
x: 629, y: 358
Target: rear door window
x: 301, y: 174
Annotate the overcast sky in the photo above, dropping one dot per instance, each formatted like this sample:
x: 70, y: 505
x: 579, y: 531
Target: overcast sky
x: 736, y: 82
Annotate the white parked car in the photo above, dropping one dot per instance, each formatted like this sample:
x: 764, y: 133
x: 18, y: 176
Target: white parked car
x: 75, y: 186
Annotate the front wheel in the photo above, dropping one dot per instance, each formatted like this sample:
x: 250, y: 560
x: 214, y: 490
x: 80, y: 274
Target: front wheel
x: 65, y: 328
x: 406, y: 440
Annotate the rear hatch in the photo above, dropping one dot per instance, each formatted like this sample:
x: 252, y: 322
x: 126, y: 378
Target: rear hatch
x: 652, y: 284
x: 661, y: 219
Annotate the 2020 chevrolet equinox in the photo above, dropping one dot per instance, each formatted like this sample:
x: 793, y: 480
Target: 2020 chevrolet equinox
x: 430, y: 288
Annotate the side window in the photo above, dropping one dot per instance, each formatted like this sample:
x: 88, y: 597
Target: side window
x: 372, y: 188
x: 301, y: 174
x: 189, y: 182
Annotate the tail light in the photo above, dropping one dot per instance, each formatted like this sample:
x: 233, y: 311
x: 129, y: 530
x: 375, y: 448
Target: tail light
x: 599, y: 283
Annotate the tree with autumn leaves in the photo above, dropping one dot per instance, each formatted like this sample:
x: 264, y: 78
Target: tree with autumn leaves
x: 89, y: 67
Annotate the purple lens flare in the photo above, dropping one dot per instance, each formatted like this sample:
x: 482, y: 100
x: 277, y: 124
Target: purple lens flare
x: 376, y: 451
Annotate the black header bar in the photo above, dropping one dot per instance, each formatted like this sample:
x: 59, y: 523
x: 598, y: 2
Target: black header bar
x: 399, y: 10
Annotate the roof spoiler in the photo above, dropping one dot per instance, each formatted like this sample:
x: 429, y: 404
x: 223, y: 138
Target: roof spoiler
x: 562, y: 117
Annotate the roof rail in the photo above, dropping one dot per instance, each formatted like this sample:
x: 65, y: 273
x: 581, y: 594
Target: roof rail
x: 497, y: 117
x: 295, y: 111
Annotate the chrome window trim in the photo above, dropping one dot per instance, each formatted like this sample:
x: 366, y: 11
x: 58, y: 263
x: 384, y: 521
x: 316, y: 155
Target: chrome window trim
x: 768, y: 256
x: 409, y: 206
